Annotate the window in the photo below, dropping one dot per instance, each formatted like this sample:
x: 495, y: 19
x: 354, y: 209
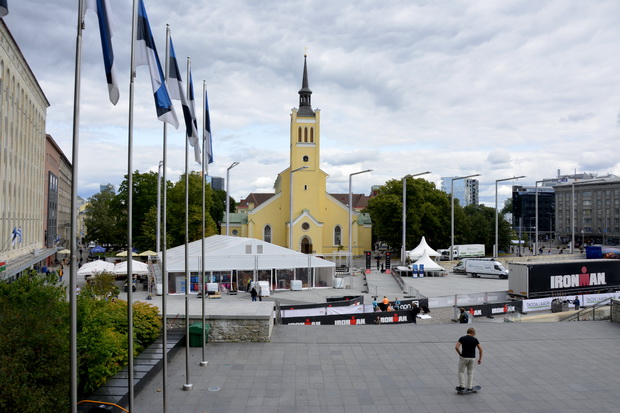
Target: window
x: 305, y: 226
x: 312, y: 135
x: 587, y: 202
x: 267, y: 234
x: 337, y: 235
x: 305, y: 134
x: 235, y: 232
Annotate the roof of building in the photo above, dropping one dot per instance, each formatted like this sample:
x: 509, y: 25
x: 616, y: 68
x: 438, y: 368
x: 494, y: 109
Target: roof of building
x: 360, y: 201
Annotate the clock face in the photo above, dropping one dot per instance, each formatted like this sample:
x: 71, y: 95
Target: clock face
x: 305, y: 158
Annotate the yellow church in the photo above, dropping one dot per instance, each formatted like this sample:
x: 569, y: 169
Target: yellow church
x: 300, y: 214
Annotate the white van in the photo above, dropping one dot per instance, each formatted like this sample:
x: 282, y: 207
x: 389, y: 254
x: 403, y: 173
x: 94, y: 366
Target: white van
x: 476, y: 268
x: 460, y: 266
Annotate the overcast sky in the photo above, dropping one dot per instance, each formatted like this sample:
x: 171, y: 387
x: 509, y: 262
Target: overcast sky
x: 500, y: 88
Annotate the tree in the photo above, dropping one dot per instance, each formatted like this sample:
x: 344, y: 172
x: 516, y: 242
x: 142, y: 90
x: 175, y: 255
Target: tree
x: 102, y: 219
x: 176, y: 211
x: 218, y: 207
x: 144, y: 199
x: 34, y: 349
x: 428, y: 213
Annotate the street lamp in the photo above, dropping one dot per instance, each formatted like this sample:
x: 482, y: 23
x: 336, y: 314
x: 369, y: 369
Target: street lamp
x: 496, y: 247
x: 227, y: 198
x: 536, y: 211
x: 290, y: 227
x: 161, y: 163
x: 452, y: 211
x: 404, y: 250
x: 350, y: 261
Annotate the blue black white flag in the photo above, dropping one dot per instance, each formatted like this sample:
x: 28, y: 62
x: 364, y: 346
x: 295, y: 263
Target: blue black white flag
x: 146, y: 54
x: 106, y: 31
x: 4, y: 8
x: 207, y: 132
x: 192, y: 109
x: 178, y: 92
x: 17, y: 236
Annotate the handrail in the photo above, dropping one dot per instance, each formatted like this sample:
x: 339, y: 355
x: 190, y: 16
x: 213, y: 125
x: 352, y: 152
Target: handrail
x: 399, y: 280
x: 577, y: 316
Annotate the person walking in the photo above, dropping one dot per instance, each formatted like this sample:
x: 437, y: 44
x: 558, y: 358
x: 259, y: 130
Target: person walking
x: 466, y: 349
x: 253, y: 293
x: 415, y: 310
x: 576, y: 302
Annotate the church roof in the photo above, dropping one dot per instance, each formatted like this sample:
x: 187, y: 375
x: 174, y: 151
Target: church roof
x: 360, y: 201
x: 255, y: 198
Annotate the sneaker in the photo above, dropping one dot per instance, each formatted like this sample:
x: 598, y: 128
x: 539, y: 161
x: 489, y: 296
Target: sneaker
x: 459, y: 388
x: 469, y: 389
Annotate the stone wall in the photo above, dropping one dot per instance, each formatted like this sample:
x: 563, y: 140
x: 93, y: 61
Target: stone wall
x: 232, y: 329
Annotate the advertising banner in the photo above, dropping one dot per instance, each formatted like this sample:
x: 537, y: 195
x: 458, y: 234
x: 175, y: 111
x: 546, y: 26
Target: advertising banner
x: 574, y: 277
x: 383, y: 317
x: 490, y: 310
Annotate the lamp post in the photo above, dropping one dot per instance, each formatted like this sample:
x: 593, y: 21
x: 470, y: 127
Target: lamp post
x: 350, y: 257
x: 227, y: 198
x: 452, y: 211
x: 536, y: 211
x: 161, y: 163
x: 404, y: 250
x: 290, y: 226
x: 496, y: 247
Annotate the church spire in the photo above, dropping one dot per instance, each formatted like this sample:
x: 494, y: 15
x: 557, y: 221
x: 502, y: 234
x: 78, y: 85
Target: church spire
x: 305, y: 106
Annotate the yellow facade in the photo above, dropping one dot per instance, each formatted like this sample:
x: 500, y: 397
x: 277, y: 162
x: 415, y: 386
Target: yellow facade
x: 320, y: 222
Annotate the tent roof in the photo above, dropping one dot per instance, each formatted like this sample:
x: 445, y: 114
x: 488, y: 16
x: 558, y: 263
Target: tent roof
x: 418, y: 251
x: 137, y: 267
x: 225, y: 253
x: 95, y: 266
x: 429, y: 264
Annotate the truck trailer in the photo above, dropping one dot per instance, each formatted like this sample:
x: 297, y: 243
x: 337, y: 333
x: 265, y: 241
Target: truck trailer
x: 548, y: 279
x: 465, y: 251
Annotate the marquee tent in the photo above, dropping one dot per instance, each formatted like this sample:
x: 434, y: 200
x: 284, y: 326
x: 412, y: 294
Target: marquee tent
x: 232, y: 260
x: 418, y: 251
x: 94, y: 267
x: 429, y: 264
x: 137, y: 268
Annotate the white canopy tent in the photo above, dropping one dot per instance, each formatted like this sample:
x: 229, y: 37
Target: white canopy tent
x: 137, y: 268
x: 232, y: 260
x: 429, y: 264
x: 94, y: 267
x: 418, y: 251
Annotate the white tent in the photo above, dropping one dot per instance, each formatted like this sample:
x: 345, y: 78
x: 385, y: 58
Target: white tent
x: 418, y: 251
x: 429, y: 264
x: 137, y: 268
x: 237, y: 253
x: 93, y: 267
x: 231, y: 261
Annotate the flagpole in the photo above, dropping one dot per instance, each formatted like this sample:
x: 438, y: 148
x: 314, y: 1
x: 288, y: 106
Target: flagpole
x: 164, y: 274
x: 203, y: 182
x: 132, y: 75
x: 74, y: 180
x: 187, y: 386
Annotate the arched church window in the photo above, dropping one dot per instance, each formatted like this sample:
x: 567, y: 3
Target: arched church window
x: 306, y: 134
x: 299, y: 134
x: 267, y: 233
x: 311, y: 134
x: 337, y: 236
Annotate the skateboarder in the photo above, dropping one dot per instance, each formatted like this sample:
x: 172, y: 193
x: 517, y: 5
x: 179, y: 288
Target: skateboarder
x: 466, y: 349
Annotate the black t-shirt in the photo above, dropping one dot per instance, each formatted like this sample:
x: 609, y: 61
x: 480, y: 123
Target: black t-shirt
x: 469, y: 344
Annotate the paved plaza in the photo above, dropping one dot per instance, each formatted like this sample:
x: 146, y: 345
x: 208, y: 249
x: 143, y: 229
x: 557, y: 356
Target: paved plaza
x: 529, y: 367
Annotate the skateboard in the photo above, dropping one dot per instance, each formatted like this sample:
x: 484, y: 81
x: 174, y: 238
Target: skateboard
x: 473, y: 390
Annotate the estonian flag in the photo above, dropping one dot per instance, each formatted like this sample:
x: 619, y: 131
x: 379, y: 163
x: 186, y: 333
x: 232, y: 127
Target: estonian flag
x: 106, y: 31
x: 4, y: 8
x: 177, y: 91
x: 192, y: 108
x: 146, y: 54
x: 207, y: 132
